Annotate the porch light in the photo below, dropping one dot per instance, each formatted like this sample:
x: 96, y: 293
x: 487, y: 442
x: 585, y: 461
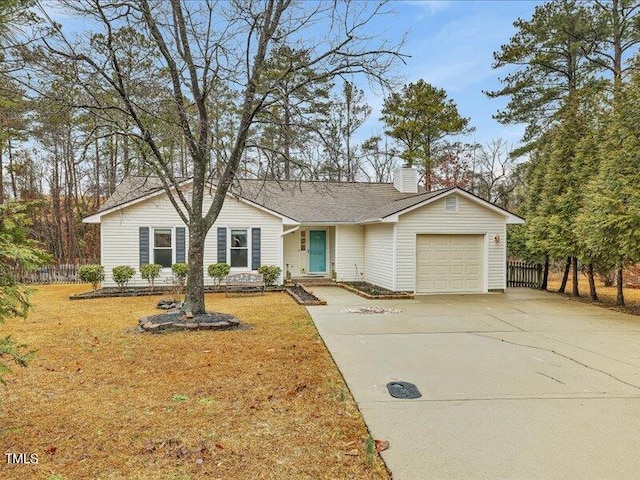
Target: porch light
x: 496, y: 238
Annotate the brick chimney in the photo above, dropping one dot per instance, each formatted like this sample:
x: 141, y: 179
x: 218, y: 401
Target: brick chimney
x: 405, y: 179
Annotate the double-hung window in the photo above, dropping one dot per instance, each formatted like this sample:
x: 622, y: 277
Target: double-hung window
x: 239, y: 248
x: 163, y: 247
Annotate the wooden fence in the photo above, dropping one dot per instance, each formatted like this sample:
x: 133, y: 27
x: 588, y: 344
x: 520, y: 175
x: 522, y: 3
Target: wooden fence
x: 522, y: 274
x: 57, y: 273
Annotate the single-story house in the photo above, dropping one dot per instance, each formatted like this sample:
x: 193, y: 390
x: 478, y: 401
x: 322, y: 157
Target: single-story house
x: 388, y: 234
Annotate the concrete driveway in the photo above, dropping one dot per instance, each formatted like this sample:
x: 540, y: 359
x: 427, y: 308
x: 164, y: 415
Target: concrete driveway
x: 522, y: 385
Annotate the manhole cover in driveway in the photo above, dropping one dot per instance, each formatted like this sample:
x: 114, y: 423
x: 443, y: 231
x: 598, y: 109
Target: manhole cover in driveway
x: 403, y: 390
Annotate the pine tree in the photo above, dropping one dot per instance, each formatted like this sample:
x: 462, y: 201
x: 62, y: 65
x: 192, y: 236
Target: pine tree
x: 610, y: 219
x: 419, y: 118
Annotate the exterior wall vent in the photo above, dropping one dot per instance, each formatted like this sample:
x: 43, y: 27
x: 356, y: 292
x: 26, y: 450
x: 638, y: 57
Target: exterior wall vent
x: 451, y: 204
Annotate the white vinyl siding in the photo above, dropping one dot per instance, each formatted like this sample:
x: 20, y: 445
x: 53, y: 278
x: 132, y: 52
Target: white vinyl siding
x: 120, y: 234
x: 331, y: 245
x: 349, y: 246
x: 470, y: 218
x: 291, y: 244
x: 378, y: 260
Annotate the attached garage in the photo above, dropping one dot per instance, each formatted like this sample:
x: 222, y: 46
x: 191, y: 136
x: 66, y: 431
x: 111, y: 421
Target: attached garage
x: 449, y: 263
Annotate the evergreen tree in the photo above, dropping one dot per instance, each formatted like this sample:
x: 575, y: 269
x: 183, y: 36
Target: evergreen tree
x: 549, y: 53
x: 17, y: 251
x: 419, y: 118
x: 610, y: 220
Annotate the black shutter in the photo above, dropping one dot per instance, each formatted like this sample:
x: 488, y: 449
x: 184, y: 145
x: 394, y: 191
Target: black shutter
x: 180, y: 245
x: 222, y: 245
x: 144, y: 245
x: 255, y: 248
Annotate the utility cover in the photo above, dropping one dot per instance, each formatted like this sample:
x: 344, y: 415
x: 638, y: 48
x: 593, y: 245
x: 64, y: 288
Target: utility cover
x: 403, y: 390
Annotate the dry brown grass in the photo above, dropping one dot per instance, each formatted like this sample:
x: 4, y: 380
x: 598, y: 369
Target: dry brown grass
x: 103, y: 401
x: 606, y: 295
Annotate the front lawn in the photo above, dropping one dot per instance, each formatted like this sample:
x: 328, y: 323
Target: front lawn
x: 103, y: 401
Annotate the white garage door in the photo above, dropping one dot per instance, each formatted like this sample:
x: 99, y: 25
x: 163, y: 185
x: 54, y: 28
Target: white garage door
x: 449, y: 263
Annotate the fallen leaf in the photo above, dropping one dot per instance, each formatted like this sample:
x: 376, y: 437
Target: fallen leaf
x: 353, y: 452
x: 381, y: 445
x: 51, y: 449
x: 299, y: 388
x: 219, y: 446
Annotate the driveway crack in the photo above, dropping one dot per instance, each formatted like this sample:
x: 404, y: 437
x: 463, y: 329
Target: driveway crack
x: 571, y: 359
x: 552, y: 378
x: 510, y: 324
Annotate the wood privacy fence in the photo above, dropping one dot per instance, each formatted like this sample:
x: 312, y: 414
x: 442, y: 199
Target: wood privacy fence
x: 57, y: 273
x: 522, y: 274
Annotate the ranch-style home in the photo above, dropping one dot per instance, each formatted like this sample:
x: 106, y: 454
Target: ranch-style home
x: 388, y: 234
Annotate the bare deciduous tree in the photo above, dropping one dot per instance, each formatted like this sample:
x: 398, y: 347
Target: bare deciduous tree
x: 198, y: 48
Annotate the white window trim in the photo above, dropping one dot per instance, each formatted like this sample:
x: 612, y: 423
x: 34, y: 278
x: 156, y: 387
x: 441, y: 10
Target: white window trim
x: 152, y: 256
x: 249, y: 249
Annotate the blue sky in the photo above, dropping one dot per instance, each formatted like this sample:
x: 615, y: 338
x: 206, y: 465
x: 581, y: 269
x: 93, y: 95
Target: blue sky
x: 451, y: 44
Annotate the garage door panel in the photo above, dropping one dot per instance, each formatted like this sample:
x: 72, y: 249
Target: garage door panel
x: 471, y: 270
x: 449, y: 263
x: 457, y: 255
x: 440, y: 270
x: 472, y: 255
x: 456, y: 269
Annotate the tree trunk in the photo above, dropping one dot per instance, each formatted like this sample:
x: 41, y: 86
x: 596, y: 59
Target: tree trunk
x: 620, y: 297
x: 287, y: 140
x: 592, y: 283
x: 12, y: 175
x: 1, y: 175
x: 545, y: 274
x: 575, y: 291
x: 96, y: 201
x: 565, y: 276
x: 194, y: 293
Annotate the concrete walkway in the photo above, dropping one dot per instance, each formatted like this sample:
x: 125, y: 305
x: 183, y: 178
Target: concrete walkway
x: 522, y: 385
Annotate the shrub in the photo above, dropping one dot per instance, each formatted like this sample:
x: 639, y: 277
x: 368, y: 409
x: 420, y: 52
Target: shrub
x: 270, y: 273
x: 150, y: 272
x: 218, y: 271
x: 122, y: 274
x: 92, y: 274
x: 180, y: 271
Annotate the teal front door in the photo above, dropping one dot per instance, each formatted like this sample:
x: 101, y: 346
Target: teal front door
x: 317, y: 251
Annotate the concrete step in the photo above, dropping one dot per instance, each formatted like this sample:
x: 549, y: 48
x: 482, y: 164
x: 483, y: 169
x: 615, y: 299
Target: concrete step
x: 312, y: 281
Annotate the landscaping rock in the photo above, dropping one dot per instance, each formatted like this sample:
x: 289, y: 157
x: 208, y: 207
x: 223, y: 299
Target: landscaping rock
x: 168, y: 304
x: 176, y: 321
x: 371, y: 310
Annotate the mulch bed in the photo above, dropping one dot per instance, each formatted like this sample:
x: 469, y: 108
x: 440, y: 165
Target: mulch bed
x: 373, y: 292
x: 111, y: 292
x: 303, y: 296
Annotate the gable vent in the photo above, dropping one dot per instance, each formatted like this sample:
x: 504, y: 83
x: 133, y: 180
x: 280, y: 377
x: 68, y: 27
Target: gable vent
x: 451, y: 204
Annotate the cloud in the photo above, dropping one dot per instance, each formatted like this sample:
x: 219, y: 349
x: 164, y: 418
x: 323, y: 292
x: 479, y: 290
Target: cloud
x: 430, y: 7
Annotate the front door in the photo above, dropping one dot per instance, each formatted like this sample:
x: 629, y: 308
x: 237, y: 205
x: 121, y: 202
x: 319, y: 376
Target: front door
x: 317, y: 251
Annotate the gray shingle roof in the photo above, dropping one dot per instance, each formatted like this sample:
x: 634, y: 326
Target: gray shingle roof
x: 303, y: 201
